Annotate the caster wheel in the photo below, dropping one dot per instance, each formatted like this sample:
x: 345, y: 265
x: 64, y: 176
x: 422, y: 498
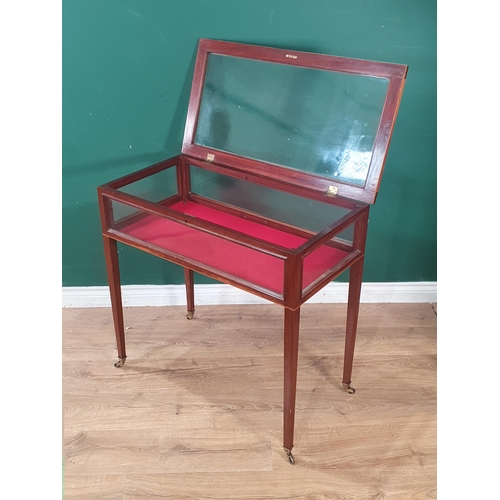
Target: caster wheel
x: 289, y: 455
x: 120, y: 362
x: 348, y: 388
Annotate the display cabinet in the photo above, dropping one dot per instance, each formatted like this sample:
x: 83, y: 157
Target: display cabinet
x: 281, y: 160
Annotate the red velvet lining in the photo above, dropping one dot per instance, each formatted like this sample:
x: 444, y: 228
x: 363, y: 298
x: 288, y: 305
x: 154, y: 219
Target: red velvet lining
x: 237, y: 260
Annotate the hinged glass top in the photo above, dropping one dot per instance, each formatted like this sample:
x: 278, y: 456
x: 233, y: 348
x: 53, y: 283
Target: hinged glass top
x: 312, y: 120
x: 308, y: 121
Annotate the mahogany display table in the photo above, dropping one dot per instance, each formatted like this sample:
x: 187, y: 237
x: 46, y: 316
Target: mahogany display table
x: 282, y: 157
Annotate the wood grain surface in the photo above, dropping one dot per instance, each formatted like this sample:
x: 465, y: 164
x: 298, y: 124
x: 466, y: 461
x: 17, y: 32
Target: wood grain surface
x: 196, y: 412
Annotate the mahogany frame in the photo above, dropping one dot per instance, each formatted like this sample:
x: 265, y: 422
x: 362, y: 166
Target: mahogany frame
x: 356, y: 200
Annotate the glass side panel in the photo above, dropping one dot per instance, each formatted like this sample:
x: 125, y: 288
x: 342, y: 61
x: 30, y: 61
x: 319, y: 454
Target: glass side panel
x: 316, y: 121
x: 278, y: 205
x: 156, y: 187
x: 321, y: 261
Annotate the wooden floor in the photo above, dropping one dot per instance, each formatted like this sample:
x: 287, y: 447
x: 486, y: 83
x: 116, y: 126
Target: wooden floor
x: 196, y: 412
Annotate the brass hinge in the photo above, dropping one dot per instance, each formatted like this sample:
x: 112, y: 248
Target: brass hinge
x: 332, y: 191
x: 210, y: 157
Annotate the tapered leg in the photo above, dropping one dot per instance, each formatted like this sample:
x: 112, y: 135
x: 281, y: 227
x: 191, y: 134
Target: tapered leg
x: 355, y: 280
x: 113, y: 270
x: 189, y: 278
x: 291, y: 348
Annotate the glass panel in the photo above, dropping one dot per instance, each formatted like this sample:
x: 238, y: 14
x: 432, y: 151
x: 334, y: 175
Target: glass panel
x: 155, y: 187
x: 243, y: 264
x: 123, y: 214
x: 278, y: 205
x: 326, y: 257
x: 317, y: 121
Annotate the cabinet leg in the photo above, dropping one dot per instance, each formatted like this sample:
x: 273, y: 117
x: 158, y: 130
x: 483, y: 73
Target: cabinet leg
x: 355, y: 280
x: 291, y: 350
x: 113, y: 271
x: 189, y: 279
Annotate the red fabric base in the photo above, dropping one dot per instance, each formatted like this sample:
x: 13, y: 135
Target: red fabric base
x: 237, y: 260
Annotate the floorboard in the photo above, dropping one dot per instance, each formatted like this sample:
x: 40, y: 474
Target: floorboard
x: 196, y: 412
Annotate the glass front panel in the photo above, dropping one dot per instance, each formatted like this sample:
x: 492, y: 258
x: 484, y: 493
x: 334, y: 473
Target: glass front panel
x: 239, y: 262
x: 316, y: 121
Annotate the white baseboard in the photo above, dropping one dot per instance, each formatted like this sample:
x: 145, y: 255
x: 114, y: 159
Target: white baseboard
x: 175, y: 295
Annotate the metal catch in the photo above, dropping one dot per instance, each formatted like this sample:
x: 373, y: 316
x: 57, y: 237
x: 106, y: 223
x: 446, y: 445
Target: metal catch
x: 332, y: 191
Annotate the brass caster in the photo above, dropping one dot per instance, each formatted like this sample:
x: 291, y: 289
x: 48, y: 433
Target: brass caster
x: 289, y: 455
x: 120, y: 362
x: 348, y: 388
x: 190, y: 315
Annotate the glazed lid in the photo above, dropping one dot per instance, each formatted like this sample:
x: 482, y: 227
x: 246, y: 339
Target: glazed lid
x: 314, y: 121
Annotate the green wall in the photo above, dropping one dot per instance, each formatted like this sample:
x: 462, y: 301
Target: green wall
x: 127, y: 67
